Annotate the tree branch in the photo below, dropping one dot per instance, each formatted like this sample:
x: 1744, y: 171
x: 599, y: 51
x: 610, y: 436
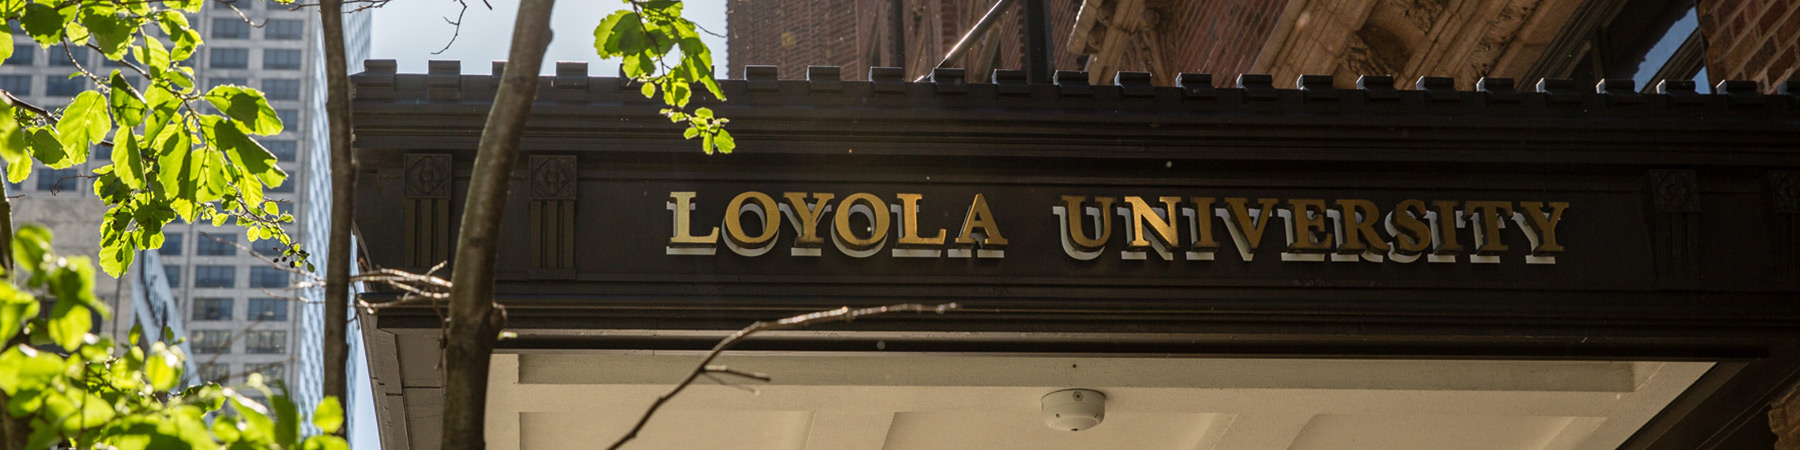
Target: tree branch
x: 844, y: 314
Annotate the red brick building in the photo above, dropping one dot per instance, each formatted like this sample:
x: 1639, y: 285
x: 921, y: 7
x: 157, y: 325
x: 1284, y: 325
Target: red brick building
x: 1647, y: 40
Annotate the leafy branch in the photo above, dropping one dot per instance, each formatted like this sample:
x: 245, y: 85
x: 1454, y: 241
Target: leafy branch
x: 643, y: 37
x: 170, y: 159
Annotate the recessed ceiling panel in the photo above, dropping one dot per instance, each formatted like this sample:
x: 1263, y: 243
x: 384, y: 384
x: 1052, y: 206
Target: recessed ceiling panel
x: 986, y: 430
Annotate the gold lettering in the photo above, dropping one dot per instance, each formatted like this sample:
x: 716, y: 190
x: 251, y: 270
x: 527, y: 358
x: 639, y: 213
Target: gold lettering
x: 878, y: 221
x: 980, y: 217
x: 1203, y: 225
x: 1359, y: 217
x: 681, y: 237
x: 1164, y: 227
x: 809, y: 216
x: 1445, y: 242
x: 1487, y: 238
x: 1543, y: 228
x: 1411, y: 234
x: 1246, y: 230
x: 763, y: 206
x: 1075, y: 218
x: 1308, y: 216
x: 909, y: 224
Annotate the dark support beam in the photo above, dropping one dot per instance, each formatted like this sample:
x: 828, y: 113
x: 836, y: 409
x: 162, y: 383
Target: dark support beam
x: 897, y: 26
x: 1038, y: 59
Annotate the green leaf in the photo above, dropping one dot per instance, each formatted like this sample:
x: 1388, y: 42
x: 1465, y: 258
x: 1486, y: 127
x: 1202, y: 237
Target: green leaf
x: 45, y: 22
x: 175, y: 25
x: 12, y: 137
x: 83, y: 123
x: 246, y: 152
x: 47, y: 149
x: 329, y: 416
x: 77, y: 410
x: 31, y: 247
x: 287, y: 420
x: 257, y: 426
x: 126, y: 104
x: 16, y: 307
x: 23, y: 368
x: 246, y: 106
x: 117, y: 247
x: 724, y: 142
x: 163, y: 368
x: 607, y: 35
x: 6, y: 42
x: 127, y: 159
x: 111, y: 32
x: 153, y: 55
x: 73, y: 282
x: 325, y: 442
x: 162, y: 106
x: 69, y: 324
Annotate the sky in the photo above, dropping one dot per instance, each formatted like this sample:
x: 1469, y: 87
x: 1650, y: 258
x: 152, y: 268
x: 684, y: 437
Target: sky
x: 409, y: 31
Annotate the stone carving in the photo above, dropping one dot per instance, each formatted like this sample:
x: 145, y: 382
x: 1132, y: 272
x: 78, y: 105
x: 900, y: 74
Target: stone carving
x: 428, y: 175
x: 1784, y: 191
x: 552, y: 177
x: 1674, y: 191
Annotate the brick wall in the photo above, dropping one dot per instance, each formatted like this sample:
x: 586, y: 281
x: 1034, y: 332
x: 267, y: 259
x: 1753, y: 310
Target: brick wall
x: 1220, y: 37
x: 1751, y: 39
x: 793, y: 34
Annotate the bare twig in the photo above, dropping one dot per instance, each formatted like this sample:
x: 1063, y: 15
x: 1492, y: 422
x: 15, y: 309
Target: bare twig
x: 844, y: 314
x: 457, y: 24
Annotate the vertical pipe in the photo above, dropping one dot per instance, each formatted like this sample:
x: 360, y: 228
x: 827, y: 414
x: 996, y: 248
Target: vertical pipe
x: 897, y: 26
x: 1038, y: 58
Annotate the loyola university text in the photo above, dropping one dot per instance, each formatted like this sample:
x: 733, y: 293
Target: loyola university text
x: 1194, y: 228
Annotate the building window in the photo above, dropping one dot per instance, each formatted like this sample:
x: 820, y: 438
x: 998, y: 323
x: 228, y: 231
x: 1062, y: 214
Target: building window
x: 215, y: 276
x: 230, y: 28
x: 284, y: 30
x: 283, y: 150
x: 268, y: 310
x: 23, y: 55
x: 227, y: 4
x: 290, y: 119
x: 265, y: 342
x: 216, y: 244
x: 230, y: 58
x: 18, y: 85
x: 209, y: 341
x: 57, y: 86
x: 60, y: 58
x: 173, y: 273
x: 56, y: 179
x: 276, y: 58
x: 215, y: 373
x: 212, y: 309
x: 286, y: 187
x: 270, y: 371
x: 281, y: 89
x: 221, y: 81
x: 171, y: 244
x: 268, y: 277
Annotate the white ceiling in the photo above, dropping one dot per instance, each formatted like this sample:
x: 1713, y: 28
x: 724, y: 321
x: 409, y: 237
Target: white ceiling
x: 889, y: 401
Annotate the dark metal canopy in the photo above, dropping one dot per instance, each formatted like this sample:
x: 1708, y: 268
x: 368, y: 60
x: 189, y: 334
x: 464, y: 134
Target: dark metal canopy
x: 1681, y: 239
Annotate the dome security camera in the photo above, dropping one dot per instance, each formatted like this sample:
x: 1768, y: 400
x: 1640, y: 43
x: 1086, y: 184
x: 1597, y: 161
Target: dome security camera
x: 1074, y: 409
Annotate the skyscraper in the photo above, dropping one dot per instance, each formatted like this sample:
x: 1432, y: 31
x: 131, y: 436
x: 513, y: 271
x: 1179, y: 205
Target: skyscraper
x: 242, y: 314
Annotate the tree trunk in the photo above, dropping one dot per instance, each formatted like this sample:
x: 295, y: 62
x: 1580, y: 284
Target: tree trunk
x: 343, y: 201
x: 474, y: 323
x: 14, y: 432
